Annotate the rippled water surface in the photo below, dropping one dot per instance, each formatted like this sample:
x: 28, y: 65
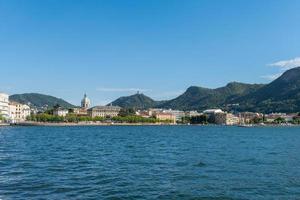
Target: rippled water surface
x: 149, y: 162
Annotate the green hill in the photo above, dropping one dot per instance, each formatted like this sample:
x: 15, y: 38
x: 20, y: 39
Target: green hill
x: 281, y: 95
x: 136, y: 101
x: 198, y: 98
x: 39, y: 101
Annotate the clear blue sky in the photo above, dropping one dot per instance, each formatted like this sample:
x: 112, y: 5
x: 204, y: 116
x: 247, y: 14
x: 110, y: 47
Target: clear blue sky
x: 113, y: 48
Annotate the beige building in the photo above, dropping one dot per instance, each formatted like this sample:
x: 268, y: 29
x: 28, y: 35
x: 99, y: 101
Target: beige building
x: 248, y: 117
x: 80, y: 111
x: 4, y: 108
x: 18, y: 112
x: 104, y: 111
x: 166, y: 116
x: 226, y: 118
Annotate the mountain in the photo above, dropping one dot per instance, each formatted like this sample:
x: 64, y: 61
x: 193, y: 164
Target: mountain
x: 137, y: 101
x: 39, y: 101
x: 281, y: 95
x: 198, y: 98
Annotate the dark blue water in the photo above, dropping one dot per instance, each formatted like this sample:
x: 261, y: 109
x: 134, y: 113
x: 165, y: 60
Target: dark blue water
x: 188, y: 162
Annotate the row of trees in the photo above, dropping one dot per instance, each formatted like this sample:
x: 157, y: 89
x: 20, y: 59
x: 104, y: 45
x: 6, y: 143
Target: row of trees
x: 44, y: 117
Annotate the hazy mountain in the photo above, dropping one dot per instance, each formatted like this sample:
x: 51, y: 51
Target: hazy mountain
x: 39, y: 101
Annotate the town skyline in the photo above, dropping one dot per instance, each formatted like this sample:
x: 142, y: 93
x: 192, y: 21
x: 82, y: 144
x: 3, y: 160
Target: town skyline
x: 116, y: 48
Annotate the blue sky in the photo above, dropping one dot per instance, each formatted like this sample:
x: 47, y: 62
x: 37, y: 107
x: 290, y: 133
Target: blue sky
x: 160, y: 47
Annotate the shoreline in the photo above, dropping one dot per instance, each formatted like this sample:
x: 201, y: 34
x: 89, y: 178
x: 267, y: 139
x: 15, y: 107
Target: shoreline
x: 67, y: 124
x: 64, y: 124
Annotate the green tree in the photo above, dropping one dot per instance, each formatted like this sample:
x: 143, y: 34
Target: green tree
x: 201, y: 119
x: 280, y: 120
x: 257, y: 120
x: 126, y: 112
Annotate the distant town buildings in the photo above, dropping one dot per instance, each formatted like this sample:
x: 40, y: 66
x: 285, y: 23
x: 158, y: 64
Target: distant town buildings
x: 15, y: 112
x: 18, y: 112
x: 4, y: 108
x: 104, y: 111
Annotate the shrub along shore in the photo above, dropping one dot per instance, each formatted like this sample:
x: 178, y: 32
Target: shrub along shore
x: 75, y: 119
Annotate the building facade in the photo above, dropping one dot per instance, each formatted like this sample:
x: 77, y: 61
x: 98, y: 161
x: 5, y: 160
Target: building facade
x: 177, y: 113
x: 248, y: 117
x: 166, y: 117
x: 18, y: 112
x: 4, y: 107
x: 104, y: 111
x: 60, y: 112
x: 226, y: 118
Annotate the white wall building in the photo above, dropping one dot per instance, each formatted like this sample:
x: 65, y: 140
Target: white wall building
x: 18, y: 112
x: 60, y: 112
x: 4, y: 109
x: 178, y: 114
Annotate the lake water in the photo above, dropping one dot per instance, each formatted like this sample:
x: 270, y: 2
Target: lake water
x: 149, y: 162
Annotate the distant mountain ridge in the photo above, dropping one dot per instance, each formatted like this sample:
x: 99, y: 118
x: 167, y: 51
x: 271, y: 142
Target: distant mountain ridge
x: 39, y: 101
x: 137, y: 101
x: 281, y: 95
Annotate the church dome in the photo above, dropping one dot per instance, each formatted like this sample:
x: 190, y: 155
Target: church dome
x: 85, y: 102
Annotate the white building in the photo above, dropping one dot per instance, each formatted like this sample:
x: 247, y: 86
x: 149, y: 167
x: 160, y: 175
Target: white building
x: 177, y: 113
x: 192, y: 113
x: 212, y: 111
x: 4, y: 109
x: 18, y: 112
x: 60, y: 112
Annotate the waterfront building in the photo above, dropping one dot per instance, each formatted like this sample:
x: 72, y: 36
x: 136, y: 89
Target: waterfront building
x: 166, y: 116
x: 273, y: 116
x: 248, y: 117
x: 143, y: 113
x: 104, y: 111
x: 60, y: 112
x: 192, y: 114
x: 4, y: 107
x: 18, y: 112
x: 85, y: 102
x: 177, y: 113
x: 212, y: 111
x: 226, y: 118
x: 79, y: 111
